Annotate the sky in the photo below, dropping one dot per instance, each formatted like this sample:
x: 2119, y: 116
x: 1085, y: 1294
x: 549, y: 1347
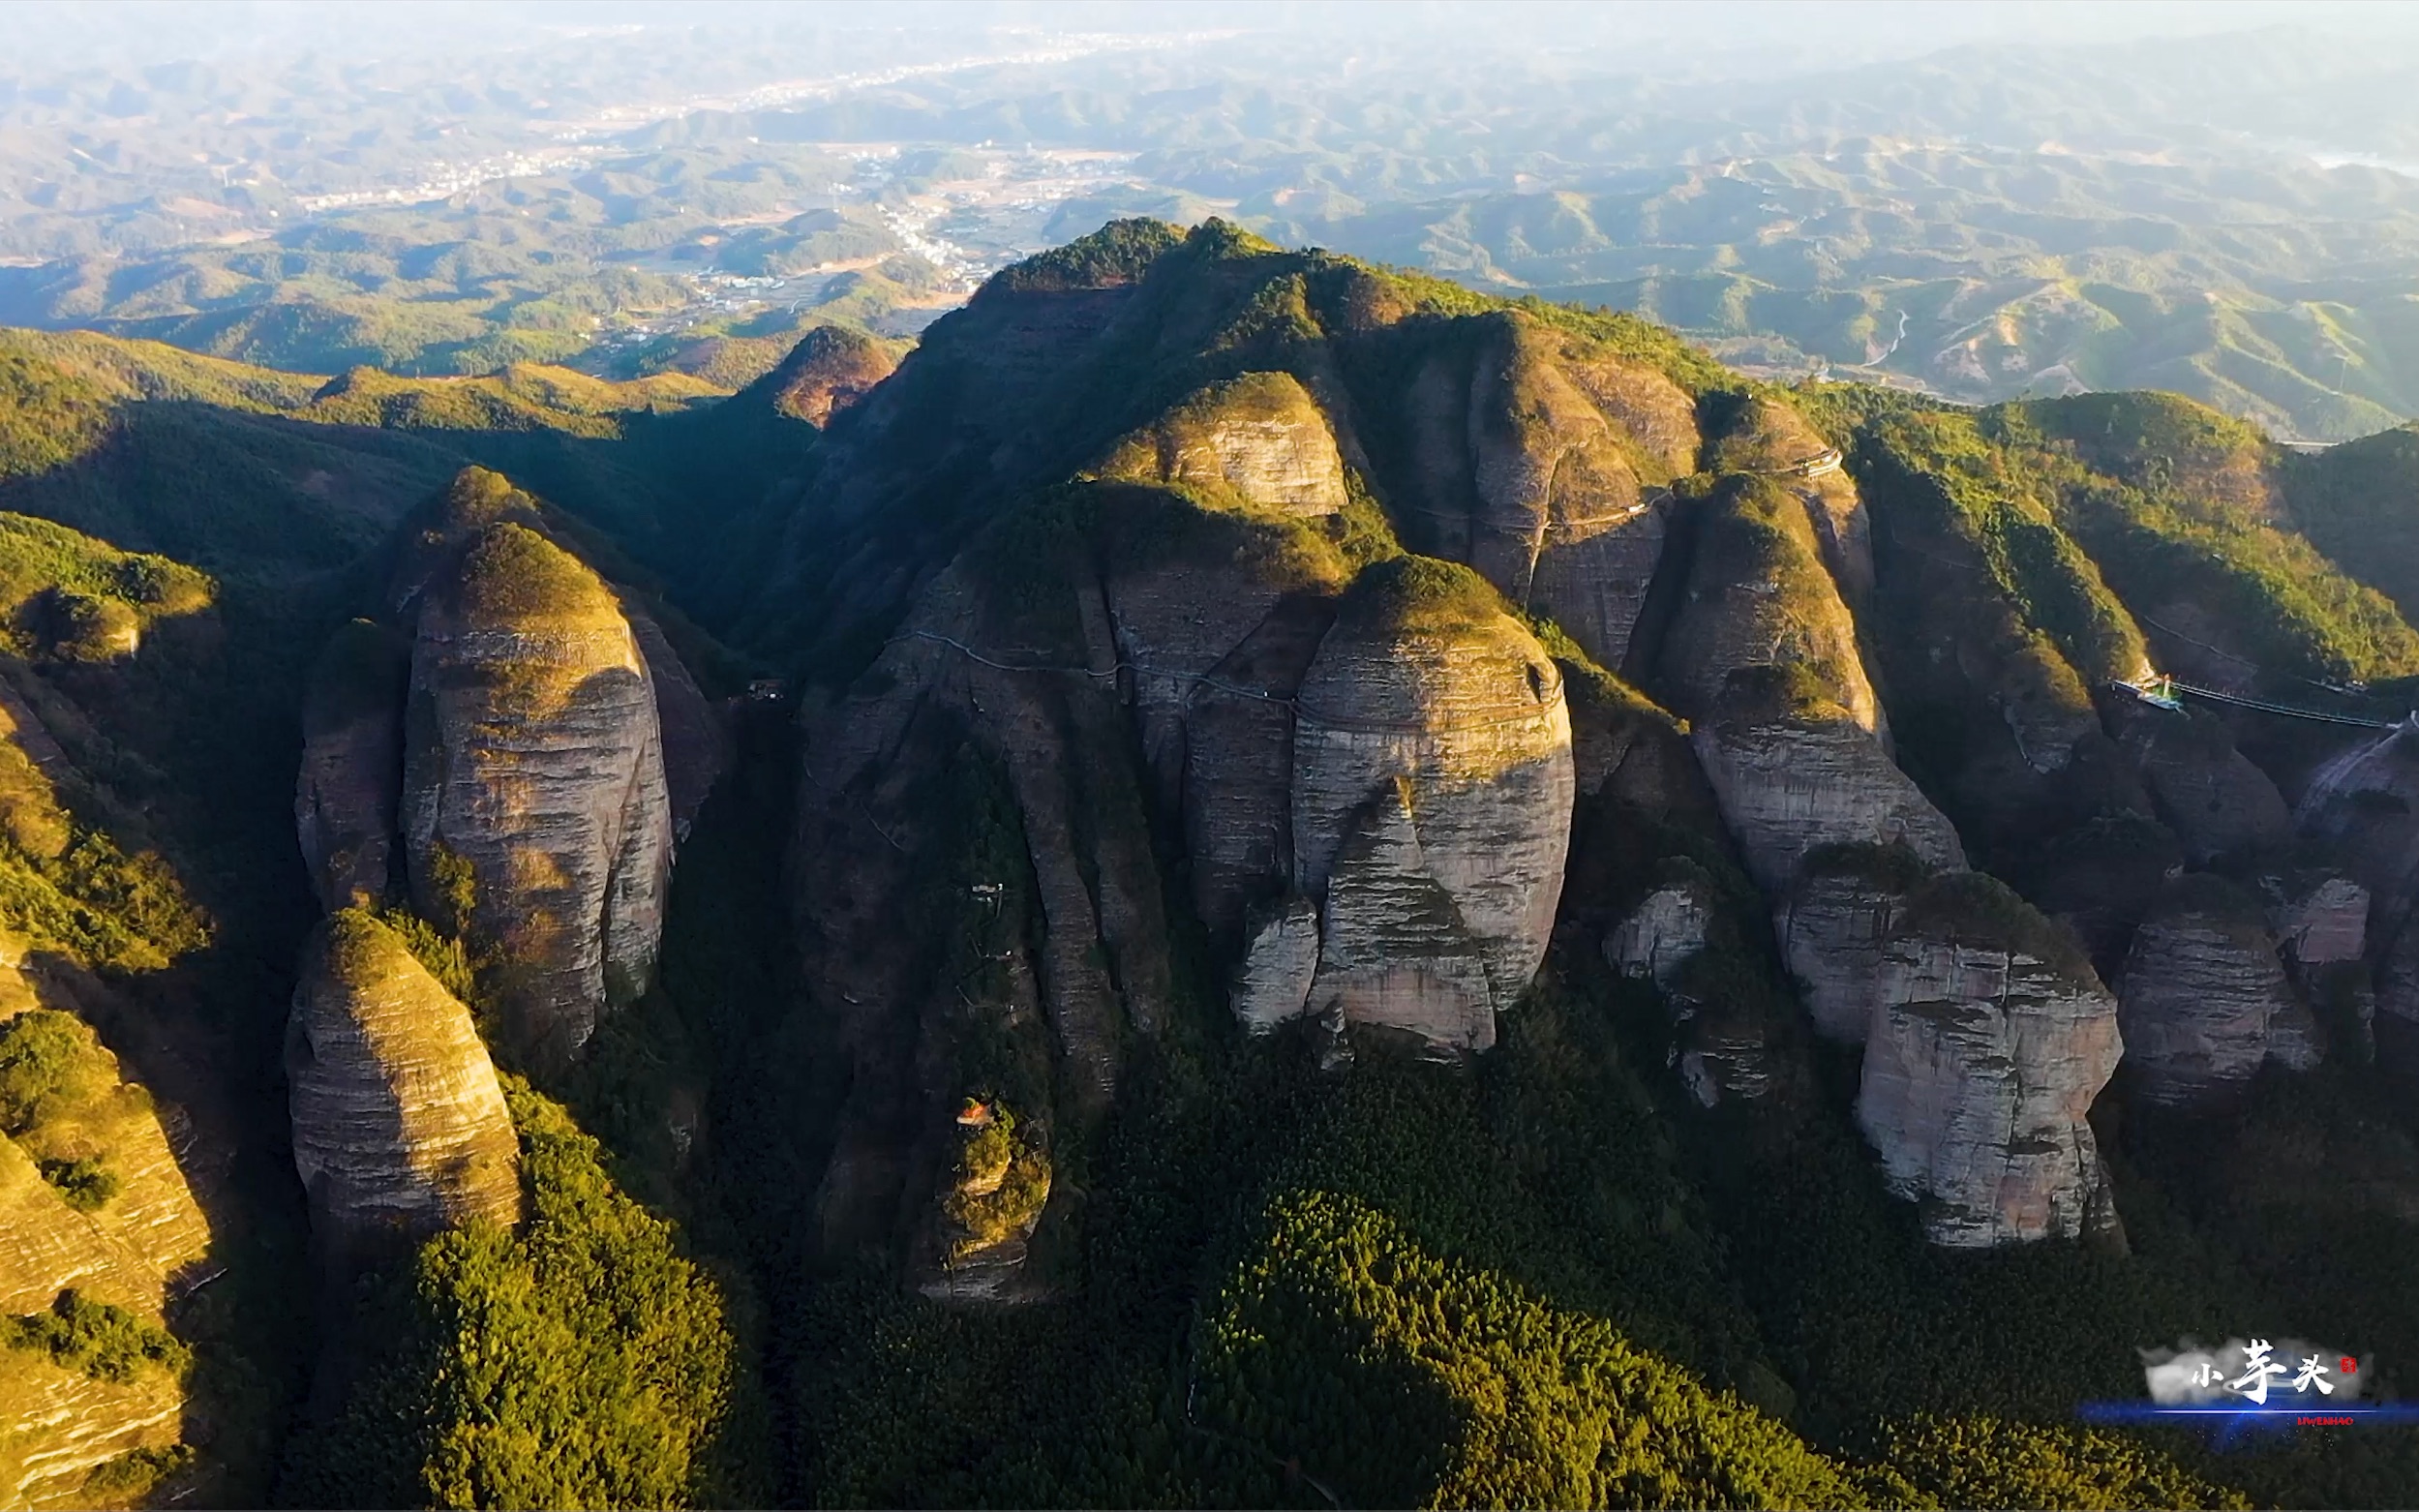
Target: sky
x: 1754, y: 35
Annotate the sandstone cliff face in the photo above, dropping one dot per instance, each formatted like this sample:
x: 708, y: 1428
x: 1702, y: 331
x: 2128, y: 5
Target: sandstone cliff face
x: 2202, y: 989
x: 134, y: 1251
x: 1261, y: 434
x: 1763, y: 654
x: 533, y: 768
x: 2208, y: 792
x: 1528, y: 451
x: 400, y: 1125
x: 1430, y: 804
x: 1833, y: 924
x: 1664, y: 932
x: 2319, y: 918
x: 1758, y: 595
x: 1280, y: 961
x: 1986, y: 1049
x: 696, y: 742
x: 1788, y: 787
x: 352, y: 776
x: 1215, y: 615
x: 2364, y: 805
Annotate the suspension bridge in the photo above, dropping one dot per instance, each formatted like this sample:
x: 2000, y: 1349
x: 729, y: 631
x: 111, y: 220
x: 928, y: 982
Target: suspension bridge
x: 2167, y: 691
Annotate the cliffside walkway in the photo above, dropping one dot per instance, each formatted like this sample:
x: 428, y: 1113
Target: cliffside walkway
x: 2163, y: 690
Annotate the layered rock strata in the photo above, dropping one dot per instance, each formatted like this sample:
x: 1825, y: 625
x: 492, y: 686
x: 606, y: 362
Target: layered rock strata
x: 1280, y: 962
x: 1430, y: 804
x: 400, y: 1125
x: 1261, y: 434
x: 1762, y: 656
x: 1833, y: 924
x: 696, y: 742
x: 1988, y: 1042
x: 1528, y: 451
x: 2201, y: 989
x: 2321, y: 920
x: 533, y: 782
x: 2364, y: 805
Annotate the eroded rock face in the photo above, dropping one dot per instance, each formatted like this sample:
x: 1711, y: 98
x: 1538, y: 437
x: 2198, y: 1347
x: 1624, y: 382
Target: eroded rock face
x: 2202, y: 987
x: 1769, y: 437
x: 696, y: 742
x: 2319, y: 920
x: 1430, y: 804
x: 1986, y: 1048
x: 1762, y: 656
x: 1664, y: 932
x: 1788, y: 787
x: 1833, y: 924
x: 400, y: 1125
x: 1280, y: 960
x: 2364, y: 804
x: 1261, y: 434
x: 352, y: 776
x: 2208, y: 792
x: 534, y: 777
x: 1528, y: 452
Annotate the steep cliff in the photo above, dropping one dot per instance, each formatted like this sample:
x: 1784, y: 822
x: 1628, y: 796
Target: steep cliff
x: 400, y: 1125
x: 1539, y: 457
x: 2215, y: 799
x: 350, y: 782
x: 1989, y: 1040
x: 2201, y: 989
x: 1835, y: 924
x: 534, y: 810
x: 1769, y: 437
x: 1261, y: 434
x: 1430, y: 802
x: 1762, y: 656
x: 94, y: 1201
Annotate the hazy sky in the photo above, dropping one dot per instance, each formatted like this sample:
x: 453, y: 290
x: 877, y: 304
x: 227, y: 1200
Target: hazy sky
x: 53, y: 34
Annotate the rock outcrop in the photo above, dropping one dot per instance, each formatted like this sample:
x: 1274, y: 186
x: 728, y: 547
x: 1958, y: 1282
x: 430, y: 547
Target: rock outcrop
x: 130, y: 1241
x: 1762, y: 656
x: 1538, y: 460
x: 2364, y: 806
x: 1989, y: 1040
x: 1767, y: 437
x: 1660, y: 936
x: 1261, y: 434
x: 1430, y: 804
x: 352, y: 776
x: 534, y: 806
x: 1792, y: 784
x: 1833, y: 924
x: 2202, y: 989
x: 400, y: 1125
x: 1280, y: 961
x: 2320, y: 919
x: 696, y: 742
x: 2208, y: 792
